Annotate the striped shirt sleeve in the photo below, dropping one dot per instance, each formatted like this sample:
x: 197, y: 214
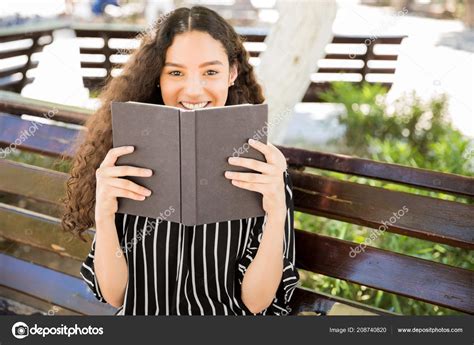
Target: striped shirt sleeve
x: 290, y: 278
x: 87, y: 269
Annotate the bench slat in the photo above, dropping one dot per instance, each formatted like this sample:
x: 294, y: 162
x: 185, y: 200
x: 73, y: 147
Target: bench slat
x: 434, y: 180
x: 304, y: 300
x: 93, y: 64
x: 15, y: 104
x: 38, y: 137
x: 41, y: 231
x: 12, y: 70
x: 357, y: 70
x: 24, y: 304
x: 31, y: 30
x: 427, y: 218
x: 424, y: 280
x: 363, y: 39
x: 14, y: 52
x: 32, y: 181
x: 55, y: 287
x: 361, y: 57
x: 41, y: 257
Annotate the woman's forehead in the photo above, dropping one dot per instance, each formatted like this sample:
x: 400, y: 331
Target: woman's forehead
x: 195, y: 48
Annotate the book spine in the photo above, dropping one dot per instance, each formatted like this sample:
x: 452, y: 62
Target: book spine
x: 188, y: 167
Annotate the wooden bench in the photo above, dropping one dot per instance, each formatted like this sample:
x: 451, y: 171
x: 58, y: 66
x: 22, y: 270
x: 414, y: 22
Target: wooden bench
x: 105, y: 47
x: 431, y: 219
x: 355, y: 57
x: 17, y: 46
x: 41, y: 263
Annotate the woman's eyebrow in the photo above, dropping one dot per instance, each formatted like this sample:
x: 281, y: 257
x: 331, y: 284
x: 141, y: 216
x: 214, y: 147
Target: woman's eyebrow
x: 215, y: 62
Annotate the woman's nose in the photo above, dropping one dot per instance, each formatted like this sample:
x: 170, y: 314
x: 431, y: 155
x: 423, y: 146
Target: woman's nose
x: 194, y: 86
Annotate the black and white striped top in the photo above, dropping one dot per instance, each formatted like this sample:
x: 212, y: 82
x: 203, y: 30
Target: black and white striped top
x: 195, y: 270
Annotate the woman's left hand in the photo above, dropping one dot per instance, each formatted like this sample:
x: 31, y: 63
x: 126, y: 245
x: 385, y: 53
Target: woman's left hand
x: 270, y: 183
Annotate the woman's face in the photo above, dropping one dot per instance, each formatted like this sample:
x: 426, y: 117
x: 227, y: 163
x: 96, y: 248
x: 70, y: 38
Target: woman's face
x: 196, y: 72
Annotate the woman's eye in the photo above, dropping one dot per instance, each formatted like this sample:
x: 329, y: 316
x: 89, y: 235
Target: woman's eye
x: 212, y: 72
x: 174, y: 73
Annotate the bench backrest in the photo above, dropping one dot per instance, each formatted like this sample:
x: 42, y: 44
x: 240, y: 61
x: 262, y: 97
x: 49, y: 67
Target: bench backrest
x: 30, y: 218
x: 356, y: 58
x: 105, y: 47
x: 422, y: 217
x: 17, y: 46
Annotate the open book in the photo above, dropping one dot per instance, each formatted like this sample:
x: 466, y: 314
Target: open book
x: 188, y: 151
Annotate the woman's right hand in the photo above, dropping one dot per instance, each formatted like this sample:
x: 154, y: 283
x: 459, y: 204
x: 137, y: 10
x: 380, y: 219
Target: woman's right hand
x: 109, y: 185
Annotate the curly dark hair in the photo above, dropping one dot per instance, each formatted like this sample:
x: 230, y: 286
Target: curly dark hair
x: 137, y: 82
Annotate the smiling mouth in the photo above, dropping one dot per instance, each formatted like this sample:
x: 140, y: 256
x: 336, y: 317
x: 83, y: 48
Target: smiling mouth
x: 193, y: 106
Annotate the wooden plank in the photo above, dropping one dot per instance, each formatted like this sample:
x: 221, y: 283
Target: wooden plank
x: 14, y: 52
x: 412, y: 277
x: 305, y: 300
x: 45, y: 258
x: 44, y: 27
x: 13, y: 85
x: 114, y: 30
x: 412, y: 215
x: 19, y: 68
x: 26, y: 35
x: 416, y: 177
x: 51, y: 286
x: 358, y: 39
x: 340, y: 70
x: 32, y: 181
x: 376, y: 70
x: 90, y: 64
x: 16, y: 104
x: 8, y: 295
x: 41, y: 231
x: 12, y: 70
x: 37, y: 137
x: 348, y: 56
x: 130, y: 31
x: 92, y: 51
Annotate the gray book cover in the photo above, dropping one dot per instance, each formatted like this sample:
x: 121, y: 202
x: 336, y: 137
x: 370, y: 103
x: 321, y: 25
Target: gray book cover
x: 188, y: 151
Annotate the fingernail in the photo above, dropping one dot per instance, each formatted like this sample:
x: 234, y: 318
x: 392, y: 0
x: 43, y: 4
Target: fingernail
x: 251, y: 141
x: 148, y: 192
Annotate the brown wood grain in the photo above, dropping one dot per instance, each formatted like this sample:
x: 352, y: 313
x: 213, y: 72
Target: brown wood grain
x: 396, y: 273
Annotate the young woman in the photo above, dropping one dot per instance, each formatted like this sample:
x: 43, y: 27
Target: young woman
x: 194, y: 59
